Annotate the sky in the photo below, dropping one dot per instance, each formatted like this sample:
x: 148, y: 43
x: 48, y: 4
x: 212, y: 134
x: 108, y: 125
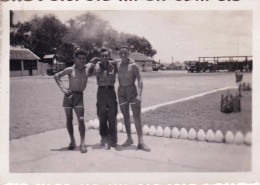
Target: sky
x: 176, y: 35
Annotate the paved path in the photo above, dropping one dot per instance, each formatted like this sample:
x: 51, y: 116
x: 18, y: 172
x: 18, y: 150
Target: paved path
x: 47, y: 152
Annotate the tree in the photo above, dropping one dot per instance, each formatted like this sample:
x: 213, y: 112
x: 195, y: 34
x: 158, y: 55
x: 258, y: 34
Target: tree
x: 41, y: 35
x: 46, y: 34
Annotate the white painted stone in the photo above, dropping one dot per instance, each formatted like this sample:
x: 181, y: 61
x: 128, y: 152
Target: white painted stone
x: 167, y: 132
x: 239, y: 138
x: 175, y: 133
x: 119, y: 127
x: 159, y: 131
x: 152, y: 131
x: 201, y: 136
x: 145, y: 130
x: 229, y: 137
x: 183, y: 133
x: 210, y: 137
x: 219, y: 137
x: 133, y: 129
x: 96, y: 123
x: 248, y: 138
x: 89, y: 124
x: 192, y: 134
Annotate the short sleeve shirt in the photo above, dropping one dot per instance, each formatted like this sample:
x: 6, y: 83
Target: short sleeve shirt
x: 107, y: 76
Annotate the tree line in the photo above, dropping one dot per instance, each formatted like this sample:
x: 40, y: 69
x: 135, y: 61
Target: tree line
x: 48, y: 35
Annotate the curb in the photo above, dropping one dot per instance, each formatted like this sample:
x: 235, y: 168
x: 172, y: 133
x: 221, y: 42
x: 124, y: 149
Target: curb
x: 210, y: 136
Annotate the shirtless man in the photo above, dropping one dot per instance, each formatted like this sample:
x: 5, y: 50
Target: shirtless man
x: 73, y: 95
x: 128, y: 73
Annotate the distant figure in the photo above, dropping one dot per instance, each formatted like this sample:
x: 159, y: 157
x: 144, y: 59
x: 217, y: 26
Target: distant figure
x: 239, y: 76
x: 106, y: 99
x: 73, y: 96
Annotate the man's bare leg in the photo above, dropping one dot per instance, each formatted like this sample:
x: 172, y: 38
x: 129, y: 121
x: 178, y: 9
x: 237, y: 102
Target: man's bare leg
x: 69, y: 117
x: 125, y: 111
x: 136, y: 108
x: 80, y: 115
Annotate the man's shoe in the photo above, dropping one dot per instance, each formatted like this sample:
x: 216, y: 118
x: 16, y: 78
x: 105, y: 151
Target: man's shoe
x: 113, y: 145
x: 72, y: 146
x: 143, y: 147
x: 83, y: 149
x: 128, y: 142
x: 107, y: 146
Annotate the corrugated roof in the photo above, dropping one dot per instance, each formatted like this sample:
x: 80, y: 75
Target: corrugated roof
x: 48, y: 56
x: 140, y: 56
x: 135, y: 56
x: 22, y: 54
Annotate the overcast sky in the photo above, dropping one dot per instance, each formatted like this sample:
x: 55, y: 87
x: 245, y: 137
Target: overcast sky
x: 177, y: 35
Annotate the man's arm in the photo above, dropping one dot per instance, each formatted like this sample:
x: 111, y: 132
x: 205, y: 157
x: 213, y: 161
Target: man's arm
x: 57, y: 77
x: 140, y: 82
x: 91, y: 69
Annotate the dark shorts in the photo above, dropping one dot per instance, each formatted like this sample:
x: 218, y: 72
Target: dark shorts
x: 127, y: 94
x: 74, y: 100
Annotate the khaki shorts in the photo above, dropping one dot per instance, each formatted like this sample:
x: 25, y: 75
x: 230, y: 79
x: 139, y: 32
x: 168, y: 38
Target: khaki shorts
x: 74, y: 100
x: 127, y: 94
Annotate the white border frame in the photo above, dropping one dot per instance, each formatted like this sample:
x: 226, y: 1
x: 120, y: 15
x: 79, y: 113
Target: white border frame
x: 127, y: 178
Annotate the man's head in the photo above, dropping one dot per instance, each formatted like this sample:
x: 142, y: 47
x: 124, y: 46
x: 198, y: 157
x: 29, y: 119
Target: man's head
x: 80, y: 56
x: 104, y: 54
x: 124, y: 52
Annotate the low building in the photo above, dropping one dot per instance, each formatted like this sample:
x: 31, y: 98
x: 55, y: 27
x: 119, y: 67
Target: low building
x: 52, y: 64
x: 23, y: 62
x: 144, y: 63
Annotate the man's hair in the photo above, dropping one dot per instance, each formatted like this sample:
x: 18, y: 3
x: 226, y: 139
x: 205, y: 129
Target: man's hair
x: 102, y: 50
x: 124, y: 47
x: 80, y: 52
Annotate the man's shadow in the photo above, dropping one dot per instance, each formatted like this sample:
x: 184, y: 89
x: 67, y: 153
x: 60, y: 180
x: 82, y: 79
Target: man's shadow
x: 97, y: 146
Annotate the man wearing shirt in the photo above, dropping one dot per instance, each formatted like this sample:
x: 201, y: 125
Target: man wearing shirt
x: 107, y: 100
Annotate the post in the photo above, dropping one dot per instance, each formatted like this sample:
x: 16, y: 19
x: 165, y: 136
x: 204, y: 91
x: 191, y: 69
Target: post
x: 22, y: 67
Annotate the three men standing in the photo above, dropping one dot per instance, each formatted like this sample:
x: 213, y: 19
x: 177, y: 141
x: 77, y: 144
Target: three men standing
x: 128, y: 94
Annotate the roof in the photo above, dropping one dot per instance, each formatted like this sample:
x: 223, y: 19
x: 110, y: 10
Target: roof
x: 135, y: 56
x: 140, y: 56
x: 178, y: 64
x: 50, y: 56
x: 22, y: 54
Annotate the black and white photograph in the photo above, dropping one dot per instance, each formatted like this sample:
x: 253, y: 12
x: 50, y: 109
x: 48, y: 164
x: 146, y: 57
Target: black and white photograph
x: 130, y: 91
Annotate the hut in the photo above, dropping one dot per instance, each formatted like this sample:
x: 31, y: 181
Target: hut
x: 52, y: 64
x: 23, y: 62
x: 144, y: 63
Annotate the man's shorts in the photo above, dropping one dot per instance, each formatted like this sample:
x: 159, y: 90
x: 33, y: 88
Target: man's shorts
x: 74, y: 100
x: 127, y: 94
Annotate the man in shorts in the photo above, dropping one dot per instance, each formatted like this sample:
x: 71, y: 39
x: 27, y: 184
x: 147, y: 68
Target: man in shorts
x: 106, y: 99
x: 128, y: 73
x: 73, y: 95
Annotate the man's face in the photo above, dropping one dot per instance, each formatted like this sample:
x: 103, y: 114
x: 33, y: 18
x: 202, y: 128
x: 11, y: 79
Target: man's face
x: 80, y: 61
x: 124, y: 53
x: 104, y: 56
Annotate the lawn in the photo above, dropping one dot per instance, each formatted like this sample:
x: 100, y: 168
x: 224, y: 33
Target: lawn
x: 203, y: 113
x: 36, y: 102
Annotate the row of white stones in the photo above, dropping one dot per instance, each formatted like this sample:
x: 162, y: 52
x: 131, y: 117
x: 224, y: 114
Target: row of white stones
x: 201, y: 135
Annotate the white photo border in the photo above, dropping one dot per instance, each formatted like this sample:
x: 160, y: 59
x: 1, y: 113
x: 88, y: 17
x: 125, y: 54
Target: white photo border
x: 126, y: 178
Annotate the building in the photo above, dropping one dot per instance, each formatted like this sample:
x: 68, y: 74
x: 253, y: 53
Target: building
x: 144, y: 63
x: 51, y: 64
x: 23, y: 62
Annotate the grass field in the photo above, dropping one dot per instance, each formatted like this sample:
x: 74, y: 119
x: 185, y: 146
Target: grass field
x: 35, y: 102
x: 203, y: 113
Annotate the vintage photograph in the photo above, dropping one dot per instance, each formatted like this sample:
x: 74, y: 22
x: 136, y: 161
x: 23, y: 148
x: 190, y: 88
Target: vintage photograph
x: 130, y: 91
